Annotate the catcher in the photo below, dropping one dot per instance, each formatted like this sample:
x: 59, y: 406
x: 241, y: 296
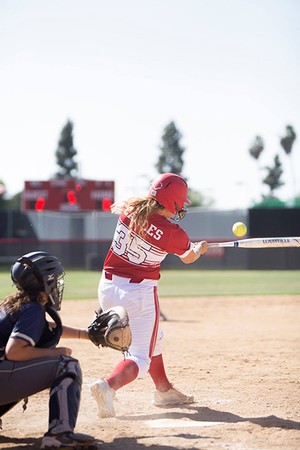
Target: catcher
x: 30, y: 358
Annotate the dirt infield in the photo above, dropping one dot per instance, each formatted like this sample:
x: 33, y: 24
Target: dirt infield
x: 238, y: 356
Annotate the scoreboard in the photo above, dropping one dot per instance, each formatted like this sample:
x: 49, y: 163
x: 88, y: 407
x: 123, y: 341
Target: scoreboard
x: 68, y: 194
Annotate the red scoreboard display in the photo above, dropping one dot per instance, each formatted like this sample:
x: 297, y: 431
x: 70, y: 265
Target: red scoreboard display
x: 68, y: 194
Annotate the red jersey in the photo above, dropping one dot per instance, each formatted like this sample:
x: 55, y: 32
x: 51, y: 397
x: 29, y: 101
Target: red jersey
x: 133, y: 256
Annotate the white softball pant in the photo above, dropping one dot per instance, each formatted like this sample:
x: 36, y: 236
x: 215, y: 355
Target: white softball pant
x: 141, y: 302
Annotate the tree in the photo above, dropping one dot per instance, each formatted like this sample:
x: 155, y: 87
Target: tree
x: 255, y: 150
x: 65, y: 153
x: 170, y: 159
x: 274, y: 173
x: 10, y: 202
x: 198, y: 199
x: 287, y: 142
x: 273, y: 178
x: 2, y: 194
x: 288, y: 139
x: 257, y: 147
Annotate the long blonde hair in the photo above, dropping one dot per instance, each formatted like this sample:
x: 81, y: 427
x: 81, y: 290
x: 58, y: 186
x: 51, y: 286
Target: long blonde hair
x: 14, y: 301
x: 139, y: 209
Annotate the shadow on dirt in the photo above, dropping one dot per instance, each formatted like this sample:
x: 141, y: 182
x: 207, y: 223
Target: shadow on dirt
x: 118, y: 444
x: 19, y: 443
x: 201, y: 414
x: 190, y: 413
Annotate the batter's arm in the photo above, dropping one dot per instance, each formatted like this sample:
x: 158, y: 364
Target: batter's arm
x: 198, y: 249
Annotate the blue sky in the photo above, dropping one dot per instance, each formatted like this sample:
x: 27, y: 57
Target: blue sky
x: 223, y: 70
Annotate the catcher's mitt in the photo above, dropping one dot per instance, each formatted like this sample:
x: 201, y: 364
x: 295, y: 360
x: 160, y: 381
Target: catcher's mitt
x: 111, y: 329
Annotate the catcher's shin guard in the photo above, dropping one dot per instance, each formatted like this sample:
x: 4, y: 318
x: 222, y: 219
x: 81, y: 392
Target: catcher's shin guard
x: 65, y: 396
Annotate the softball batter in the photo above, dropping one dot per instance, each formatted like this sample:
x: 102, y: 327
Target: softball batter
x: 143, y: 237
x: 30, y: 360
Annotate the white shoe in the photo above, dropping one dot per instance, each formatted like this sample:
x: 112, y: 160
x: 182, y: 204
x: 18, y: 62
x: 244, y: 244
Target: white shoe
x: 171, y: 397
x: 68, y: 440
x: 104, y: 396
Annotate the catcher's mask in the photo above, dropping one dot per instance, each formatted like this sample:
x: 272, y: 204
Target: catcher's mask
x: 39, y: 271
x: 170, y: 191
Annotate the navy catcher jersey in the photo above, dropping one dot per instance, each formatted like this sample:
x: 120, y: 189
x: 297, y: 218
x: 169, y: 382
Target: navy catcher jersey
x: 28, y: 323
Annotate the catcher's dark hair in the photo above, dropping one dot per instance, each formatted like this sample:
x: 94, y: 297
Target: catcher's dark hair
x: 14, y: 301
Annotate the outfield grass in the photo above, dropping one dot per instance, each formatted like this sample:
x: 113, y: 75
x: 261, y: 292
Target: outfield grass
x: 186, y: 283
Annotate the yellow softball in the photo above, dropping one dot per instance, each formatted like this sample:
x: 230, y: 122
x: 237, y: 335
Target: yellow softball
x: 239, y: 229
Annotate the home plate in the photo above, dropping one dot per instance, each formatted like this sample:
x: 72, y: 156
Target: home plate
x: 173, y: 423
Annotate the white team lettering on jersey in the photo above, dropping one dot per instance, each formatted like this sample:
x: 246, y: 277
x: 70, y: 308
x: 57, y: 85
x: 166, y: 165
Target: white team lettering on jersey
x: 155, y: 232
x: 135, y: 249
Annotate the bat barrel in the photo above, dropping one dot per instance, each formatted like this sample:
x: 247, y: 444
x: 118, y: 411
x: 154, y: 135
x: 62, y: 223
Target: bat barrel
x: 267, y: 242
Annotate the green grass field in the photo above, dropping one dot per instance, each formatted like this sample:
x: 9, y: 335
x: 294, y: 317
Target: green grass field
x: 186, y: 283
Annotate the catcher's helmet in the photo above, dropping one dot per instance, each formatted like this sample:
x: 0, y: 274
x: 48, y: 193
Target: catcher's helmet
x: 39, y: 271
x: 170, y: 191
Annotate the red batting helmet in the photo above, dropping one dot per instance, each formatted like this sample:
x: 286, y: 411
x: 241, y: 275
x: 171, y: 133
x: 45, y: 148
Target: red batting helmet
x: 170, y: 191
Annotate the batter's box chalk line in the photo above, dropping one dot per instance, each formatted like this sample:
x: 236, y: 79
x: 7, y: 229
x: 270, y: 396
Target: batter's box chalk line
x: 174, y: 423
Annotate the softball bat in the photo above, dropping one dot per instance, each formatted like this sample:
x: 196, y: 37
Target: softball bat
x: 266, y: 242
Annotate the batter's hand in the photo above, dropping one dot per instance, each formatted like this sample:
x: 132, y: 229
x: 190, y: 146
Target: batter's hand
x: 200, y: 248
